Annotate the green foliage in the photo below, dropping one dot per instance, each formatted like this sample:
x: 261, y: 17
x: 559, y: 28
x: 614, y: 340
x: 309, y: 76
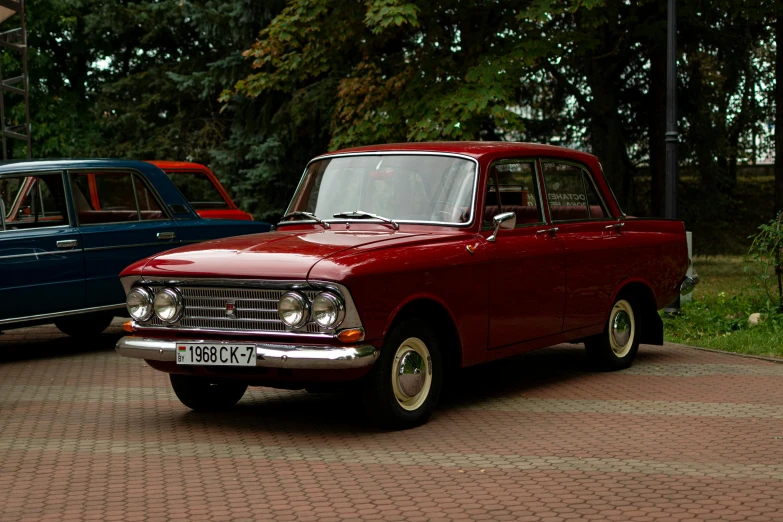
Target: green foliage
x: 763, y: 256
x: 404, y: 71
x: 717, y: 317
x: 257, y: 88
x: 722, y: 322
x: 384, y: 13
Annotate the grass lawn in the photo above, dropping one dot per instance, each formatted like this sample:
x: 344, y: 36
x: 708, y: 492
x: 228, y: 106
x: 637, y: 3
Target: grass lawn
x: 717, y: 316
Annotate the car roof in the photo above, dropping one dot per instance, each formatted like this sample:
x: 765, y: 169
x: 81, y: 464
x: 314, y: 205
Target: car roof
x: 178, y: 165
x: 58, y: 164
x: 475, y: 149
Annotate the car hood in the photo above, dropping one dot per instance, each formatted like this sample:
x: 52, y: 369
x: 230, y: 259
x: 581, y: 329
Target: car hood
x: 271, y: 255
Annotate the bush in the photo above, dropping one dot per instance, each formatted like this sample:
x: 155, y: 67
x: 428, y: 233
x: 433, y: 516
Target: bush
x: 762, y: 261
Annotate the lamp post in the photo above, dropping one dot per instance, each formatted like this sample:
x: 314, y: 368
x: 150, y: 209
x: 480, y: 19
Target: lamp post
x: 672, y: 136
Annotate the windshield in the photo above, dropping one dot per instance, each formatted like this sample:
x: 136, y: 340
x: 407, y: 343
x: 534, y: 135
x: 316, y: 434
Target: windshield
x: 412, y: 188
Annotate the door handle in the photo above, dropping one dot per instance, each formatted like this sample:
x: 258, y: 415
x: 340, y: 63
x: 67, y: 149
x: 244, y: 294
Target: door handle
x: 552, y: 230
x: 67, y: 243
x: 618, y: 226
x: 165, y: 236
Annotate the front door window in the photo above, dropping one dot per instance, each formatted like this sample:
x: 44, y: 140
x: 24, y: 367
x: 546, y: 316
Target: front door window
x: 512, y: 187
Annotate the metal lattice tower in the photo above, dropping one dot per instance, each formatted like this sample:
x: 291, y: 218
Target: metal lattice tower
x: 14, y: 40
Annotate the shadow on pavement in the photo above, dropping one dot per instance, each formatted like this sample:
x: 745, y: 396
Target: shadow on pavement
x: 274, y: 412
x: 28, y: 344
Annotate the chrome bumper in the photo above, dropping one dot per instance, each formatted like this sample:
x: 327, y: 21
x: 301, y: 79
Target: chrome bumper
x: 688, y: 284
x: 267, y: 355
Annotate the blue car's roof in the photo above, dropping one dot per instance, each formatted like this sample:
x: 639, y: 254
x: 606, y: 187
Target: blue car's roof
x: 47, y: 164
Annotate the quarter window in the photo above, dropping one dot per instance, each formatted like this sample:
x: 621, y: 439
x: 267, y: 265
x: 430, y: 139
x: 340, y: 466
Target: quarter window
x: 113, y: 197
x: 571, y: 193
x: 512, y: 187
x: 34, y: 201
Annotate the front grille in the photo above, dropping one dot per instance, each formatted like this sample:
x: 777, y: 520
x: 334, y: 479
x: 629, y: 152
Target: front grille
x: 255, y: 309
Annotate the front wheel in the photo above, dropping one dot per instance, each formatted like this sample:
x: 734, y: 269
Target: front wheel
x: 198, y: 393
x: 83, y: 326
x: 404, y: 384
x: 616, y: 347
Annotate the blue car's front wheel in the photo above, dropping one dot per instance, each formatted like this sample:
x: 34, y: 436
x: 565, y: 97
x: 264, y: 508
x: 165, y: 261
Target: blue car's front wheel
x: 86, y: 325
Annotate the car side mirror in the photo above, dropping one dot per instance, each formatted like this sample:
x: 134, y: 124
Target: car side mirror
x: 505, y: 221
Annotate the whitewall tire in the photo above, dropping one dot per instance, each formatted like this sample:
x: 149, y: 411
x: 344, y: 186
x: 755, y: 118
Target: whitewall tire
x: 616, y: 347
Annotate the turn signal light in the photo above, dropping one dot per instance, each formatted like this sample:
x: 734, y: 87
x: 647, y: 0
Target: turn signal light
x: 350, y: 335
x: 128, y: 326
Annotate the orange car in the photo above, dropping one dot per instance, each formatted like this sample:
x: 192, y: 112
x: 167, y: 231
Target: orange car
x: 202, y: 189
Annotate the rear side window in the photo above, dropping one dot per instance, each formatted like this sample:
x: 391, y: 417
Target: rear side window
x: 512, y: 187
x: 571, y: 193
x: 113, y: 197
x: 34, y: 201
x: 198, y: 189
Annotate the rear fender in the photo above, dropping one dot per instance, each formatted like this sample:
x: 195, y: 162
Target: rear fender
x: 652, y: 325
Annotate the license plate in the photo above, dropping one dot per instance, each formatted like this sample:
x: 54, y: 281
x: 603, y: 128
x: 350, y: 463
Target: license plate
x: 216, y: 354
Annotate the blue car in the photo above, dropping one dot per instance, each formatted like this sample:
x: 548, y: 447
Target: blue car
x: 68, y: 227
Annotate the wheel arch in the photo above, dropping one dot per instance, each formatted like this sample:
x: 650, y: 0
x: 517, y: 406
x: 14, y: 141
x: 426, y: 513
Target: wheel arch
x: 438, y: 315
x: 652, y: 325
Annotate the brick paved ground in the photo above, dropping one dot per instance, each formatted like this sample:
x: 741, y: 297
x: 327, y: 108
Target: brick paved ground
x: 684, y: 434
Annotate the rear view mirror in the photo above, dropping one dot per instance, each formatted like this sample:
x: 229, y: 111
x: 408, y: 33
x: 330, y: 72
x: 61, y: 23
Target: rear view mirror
x: 505, y: 221
x: 382, y: 174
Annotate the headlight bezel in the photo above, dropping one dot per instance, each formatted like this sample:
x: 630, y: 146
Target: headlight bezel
x: 304, y: 304
x: 148, y: 297
x: 335, y: 302
x: 176, y: 297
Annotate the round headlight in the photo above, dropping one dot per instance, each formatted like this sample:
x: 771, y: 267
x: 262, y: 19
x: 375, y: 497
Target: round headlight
x: 293, y: 309
x: 328, y: 310
x: 139, y: 304
x: 167, y: 305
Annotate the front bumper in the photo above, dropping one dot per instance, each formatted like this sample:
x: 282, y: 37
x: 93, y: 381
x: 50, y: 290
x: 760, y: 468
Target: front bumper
x: 267, y: 355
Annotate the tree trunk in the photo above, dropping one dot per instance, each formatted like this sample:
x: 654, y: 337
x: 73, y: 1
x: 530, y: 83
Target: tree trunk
x: 656, y: 130
x: 779, y: 114
x: 607, y: 136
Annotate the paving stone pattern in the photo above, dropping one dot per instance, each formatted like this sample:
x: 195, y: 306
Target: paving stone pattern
x: 683, y: 435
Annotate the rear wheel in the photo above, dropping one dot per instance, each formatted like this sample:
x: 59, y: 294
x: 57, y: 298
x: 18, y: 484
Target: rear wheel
x: 404, y: 384
x: 200, y: 394
x: 616, y: 347
x: 87, y: 325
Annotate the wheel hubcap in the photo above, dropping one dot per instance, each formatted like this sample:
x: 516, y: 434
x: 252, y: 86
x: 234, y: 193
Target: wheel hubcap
x: 412, y: 374
x: 622, y: 328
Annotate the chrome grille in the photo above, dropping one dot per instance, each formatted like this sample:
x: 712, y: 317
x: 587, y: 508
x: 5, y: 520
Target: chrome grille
x: 255, y: 309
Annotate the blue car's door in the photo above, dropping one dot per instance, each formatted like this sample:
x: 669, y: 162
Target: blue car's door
x: 200, y: 229
x: 121, y: 219
x: 41, y: 258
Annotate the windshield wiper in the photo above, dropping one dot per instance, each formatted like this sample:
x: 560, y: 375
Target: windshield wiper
x: 360, y: 214
x: 308, y: 215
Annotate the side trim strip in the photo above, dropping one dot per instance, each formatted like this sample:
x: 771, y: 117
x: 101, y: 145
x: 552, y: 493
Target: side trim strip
x: 60, y: 314
x: 38, y: 254
x: 159, y: 243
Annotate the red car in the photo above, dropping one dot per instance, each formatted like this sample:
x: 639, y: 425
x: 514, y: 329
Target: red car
x: 202, y: 189
x: 398, y: 264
